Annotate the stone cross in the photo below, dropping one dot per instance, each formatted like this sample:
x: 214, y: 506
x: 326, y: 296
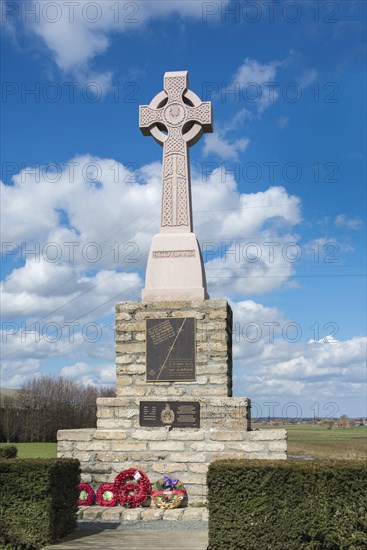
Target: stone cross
x: 176, y: 118
x: 184, y: 117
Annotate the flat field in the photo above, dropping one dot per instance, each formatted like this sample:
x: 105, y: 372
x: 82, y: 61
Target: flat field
x: 319, y: 442
x: 35, y: 450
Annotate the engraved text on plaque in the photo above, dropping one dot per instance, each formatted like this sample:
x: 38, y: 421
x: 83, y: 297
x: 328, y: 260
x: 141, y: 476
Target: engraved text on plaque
x: 170, y: 350
x: 178, y: 414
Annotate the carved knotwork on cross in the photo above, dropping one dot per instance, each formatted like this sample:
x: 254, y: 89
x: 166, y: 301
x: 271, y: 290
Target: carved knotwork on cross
x: 176, y: 118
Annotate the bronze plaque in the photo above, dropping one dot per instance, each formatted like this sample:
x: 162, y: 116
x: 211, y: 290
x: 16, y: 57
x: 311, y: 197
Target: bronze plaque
x: 170, y: 352
x: 178, y: 414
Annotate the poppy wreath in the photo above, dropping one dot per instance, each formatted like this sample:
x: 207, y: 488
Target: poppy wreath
x: 86, y: 495
x: 168, y: 492
x: 105, y: 495
x: 131, y: 487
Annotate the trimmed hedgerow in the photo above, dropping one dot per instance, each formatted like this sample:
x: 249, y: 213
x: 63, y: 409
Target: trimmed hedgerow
x: 38, y: 501
x: 8, y: 451
x: 276, y: 505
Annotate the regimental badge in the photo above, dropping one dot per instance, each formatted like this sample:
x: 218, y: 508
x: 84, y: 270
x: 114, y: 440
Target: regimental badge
x: 167, y: 415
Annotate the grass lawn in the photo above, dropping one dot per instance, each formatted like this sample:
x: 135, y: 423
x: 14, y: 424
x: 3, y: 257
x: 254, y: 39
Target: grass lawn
x: 35, y: 450
x: 318, y: 442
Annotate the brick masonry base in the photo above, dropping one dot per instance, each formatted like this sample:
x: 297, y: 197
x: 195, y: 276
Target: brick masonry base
x: 118, y: 513
x: 213, y: 341
x: 181, y: 453
x: 119, y: 442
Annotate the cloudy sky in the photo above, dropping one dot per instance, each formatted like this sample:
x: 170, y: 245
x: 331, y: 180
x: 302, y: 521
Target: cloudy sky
x: 278, y: 188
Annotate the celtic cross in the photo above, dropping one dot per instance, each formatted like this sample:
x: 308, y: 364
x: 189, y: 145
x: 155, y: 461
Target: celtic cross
x: 176, y: 118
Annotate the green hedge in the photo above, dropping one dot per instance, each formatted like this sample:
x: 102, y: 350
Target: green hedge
x: 8, y: 451
x: 38, y: 501
x: 286, y: 505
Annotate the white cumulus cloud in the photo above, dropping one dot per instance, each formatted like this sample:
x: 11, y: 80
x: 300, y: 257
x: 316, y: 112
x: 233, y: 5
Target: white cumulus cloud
x: 224, y: 148
x: 78, y: 247
x: 257, y: 80
x: 89, y: 374
x: 350, y: 223
x: 75, y: 33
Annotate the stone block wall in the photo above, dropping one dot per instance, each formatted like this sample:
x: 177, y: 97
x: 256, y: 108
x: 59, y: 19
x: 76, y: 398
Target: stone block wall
x: 213, y: 348
x: 181, y: 453
x: 215, y: 412
x: 120, y: 442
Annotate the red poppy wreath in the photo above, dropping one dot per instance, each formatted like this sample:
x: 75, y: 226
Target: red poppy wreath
x: 86, y: 495
x: 131, y: 487
x: 105, y: 495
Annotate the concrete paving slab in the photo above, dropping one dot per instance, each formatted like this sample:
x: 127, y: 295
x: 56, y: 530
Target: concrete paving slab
x: 113, y: 539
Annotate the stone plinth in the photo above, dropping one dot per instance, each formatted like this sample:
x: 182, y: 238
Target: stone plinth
x: 213, y: 348
x: 175, y: 269
x: 215, y: 413
x: 182, y: 453
x: 120, y: 442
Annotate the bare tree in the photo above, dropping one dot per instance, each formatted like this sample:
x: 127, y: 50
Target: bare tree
x: 50, y: 404
x: 345, y: 422
x: 9, y: 423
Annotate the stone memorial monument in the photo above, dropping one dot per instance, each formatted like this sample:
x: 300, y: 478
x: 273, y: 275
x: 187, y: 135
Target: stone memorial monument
x: 175, y: 268
x: 174, y: 412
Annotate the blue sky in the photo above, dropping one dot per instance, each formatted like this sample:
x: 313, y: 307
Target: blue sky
x: 278, y: 188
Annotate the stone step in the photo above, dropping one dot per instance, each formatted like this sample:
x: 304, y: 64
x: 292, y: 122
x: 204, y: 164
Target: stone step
x: 120, y: 514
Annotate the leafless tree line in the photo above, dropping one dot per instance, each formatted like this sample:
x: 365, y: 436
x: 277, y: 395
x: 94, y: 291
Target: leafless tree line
x: 47, y: 404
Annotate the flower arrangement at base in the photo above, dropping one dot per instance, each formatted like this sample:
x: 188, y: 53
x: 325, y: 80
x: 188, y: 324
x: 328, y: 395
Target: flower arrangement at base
x: 105, y: 495
x: 168, y: 493
x: 86, y: 495
x: 131, y: 487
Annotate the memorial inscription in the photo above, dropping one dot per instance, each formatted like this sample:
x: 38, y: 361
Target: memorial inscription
x: 170, y: 350
x: 174, y: 254
x: 178, y: 414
